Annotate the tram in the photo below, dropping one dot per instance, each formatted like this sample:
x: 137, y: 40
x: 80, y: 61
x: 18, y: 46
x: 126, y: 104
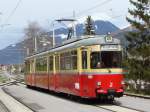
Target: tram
x: 88, y: 67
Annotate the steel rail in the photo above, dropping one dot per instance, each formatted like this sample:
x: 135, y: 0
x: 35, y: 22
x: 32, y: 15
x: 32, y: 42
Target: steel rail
x: 106, y: 107
x: 17, y: 99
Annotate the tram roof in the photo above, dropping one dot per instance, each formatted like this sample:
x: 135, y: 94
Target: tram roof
x: 78, y: 42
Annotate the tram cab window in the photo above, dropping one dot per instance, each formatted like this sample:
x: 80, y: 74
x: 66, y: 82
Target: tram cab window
x: 84, y: 59
x: 106, y: 59
x: 111, y: 59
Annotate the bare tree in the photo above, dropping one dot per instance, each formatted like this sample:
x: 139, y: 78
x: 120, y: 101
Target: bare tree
x: 33, y: 29
x: 43, y: 40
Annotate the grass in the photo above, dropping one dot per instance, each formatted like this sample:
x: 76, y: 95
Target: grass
x: 137, y: 91
x: 3, y: 79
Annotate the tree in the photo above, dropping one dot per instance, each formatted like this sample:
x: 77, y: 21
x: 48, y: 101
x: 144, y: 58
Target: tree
x: 89, y: 30
x: 35, y: 31
x: 32, y: 30
x: 139, y: 40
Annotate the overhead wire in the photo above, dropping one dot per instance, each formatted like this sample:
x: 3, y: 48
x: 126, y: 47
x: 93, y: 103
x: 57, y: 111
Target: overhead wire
x: 92, y: 8
x: 80, y: 14
x: 12, y: 13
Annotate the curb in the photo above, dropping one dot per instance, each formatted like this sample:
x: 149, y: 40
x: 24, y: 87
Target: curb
x: 4, y: 107
x: 137, y: 95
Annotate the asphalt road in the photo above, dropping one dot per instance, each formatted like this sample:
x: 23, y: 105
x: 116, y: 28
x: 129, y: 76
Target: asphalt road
x: 45, y: 102
x: 134, y: 102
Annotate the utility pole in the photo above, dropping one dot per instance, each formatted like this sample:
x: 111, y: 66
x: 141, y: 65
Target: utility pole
x: 74, y: 24
x: 53, y: 36
x: 35, y: 44
x: 28, y: 52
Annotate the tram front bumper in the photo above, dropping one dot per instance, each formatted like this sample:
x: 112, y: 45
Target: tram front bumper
x: 110, y: 92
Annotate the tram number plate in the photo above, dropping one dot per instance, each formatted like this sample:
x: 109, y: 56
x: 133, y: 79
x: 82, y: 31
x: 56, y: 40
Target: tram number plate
x: 111, y: 91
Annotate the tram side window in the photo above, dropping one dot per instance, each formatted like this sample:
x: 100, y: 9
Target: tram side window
x: 68, y: 60
x: 41, y: 64
x: 57, y: 62
x: 27, y: 66
x: 62, y: 61
x: 74, y: 59
x: 84, y: 59
x: 51, y: 63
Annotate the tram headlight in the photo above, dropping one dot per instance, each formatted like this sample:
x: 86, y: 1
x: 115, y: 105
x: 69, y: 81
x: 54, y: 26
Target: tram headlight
x: 122, y: 82
x: 99, y: 83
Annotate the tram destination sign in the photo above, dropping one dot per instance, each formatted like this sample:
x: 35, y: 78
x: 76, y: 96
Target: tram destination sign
x: 109, y: 47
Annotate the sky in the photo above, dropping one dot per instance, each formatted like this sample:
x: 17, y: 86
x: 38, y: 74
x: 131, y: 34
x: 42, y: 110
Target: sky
x: 14, y: 18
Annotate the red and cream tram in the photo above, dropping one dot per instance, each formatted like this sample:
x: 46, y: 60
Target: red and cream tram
x: 88, y: 67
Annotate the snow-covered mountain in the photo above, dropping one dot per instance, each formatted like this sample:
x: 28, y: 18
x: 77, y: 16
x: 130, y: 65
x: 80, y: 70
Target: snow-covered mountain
x: 100, y: 26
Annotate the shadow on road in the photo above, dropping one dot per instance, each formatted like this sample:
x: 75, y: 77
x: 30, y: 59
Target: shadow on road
x: 76, y: 99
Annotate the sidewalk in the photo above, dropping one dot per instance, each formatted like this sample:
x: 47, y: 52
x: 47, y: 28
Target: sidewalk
x: 3, y: 108
x: 12, y: 104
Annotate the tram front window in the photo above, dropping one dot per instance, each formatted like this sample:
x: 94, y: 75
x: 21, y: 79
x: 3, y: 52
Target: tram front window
x: 106, y: 59
x: 95, y: 60
x: 111, y: 59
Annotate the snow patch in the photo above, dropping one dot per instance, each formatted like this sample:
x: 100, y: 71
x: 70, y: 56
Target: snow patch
x: 95, y: 16
x: 96, y: 27
x: 62, y: 36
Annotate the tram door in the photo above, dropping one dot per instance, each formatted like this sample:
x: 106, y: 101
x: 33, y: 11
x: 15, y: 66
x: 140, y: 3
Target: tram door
x: 85, y: 69
x: 57, y: 67
x: 32, y: 72
x: 51, y: 73
x: 84, y: 59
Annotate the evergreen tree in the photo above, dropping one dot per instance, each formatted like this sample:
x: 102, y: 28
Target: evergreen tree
x: 89, y: 30
x: 139, y: 40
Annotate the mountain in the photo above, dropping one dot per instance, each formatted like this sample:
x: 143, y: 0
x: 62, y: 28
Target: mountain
x: 101, y: 27
x: 16, y: 54
x: 120, y: 34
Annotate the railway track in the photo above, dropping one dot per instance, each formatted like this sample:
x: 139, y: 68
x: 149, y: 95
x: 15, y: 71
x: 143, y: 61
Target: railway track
x: 17, y: 99
x: 114, y: 107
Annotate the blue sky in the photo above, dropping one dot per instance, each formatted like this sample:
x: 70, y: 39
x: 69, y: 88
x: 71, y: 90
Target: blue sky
x: 47, y: 10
